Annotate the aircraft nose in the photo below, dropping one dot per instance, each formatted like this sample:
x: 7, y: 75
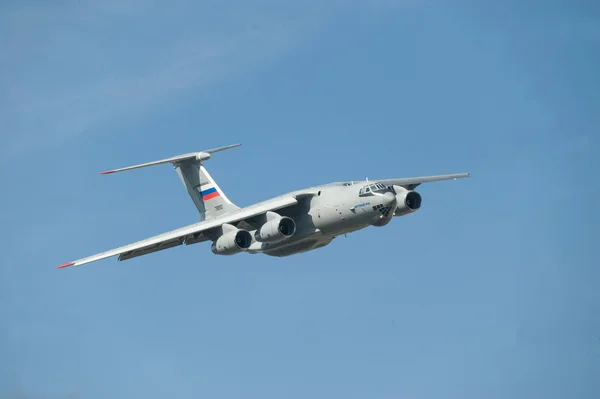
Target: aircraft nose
x: 389, y: 198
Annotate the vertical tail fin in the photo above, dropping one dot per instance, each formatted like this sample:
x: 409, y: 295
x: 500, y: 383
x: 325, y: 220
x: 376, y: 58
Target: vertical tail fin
x: 206, y: 194
x: 208, y: 197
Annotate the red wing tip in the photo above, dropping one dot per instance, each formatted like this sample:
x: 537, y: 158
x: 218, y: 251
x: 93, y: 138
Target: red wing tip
x: 108, y: 172
x: 65, y: 265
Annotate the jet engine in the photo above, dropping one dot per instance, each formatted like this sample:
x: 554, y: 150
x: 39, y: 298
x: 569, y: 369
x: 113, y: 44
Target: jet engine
x: 408, y: 201
x: 277, y: 228
x: 232, y: 242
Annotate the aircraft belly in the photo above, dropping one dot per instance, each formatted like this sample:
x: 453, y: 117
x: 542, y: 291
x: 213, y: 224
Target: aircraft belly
x: 299, y: 247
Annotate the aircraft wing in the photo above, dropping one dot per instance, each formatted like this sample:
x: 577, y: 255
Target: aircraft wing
x: 411, y: 182
x: 186, y: 235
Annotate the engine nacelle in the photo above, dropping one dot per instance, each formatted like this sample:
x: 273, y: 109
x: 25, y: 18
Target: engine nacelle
x: 408, y: 201
x: 232, y: 242
x: 278, y: 228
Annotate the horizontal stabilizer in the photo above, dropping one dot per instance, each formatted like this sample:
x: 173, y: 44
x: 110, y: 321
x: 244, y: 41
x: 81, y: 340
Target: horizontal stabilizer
x: 194, y: 156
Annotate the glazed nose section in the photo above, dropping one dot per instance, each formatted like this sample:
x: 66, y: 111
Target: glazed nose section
x: 389, y: 199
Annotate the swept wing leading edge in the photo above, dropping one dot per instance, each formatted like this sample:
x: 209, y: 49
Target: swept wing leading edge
x: 185, y: 235
x: 412, y: 182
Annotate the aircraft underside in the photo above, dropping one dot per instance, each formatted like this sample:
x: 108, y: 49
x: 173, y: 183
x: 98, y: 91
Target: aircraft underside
x: 305, y: 245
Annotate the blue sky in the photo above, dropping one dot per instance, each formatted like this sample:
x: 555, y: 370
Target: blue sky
x: 491, y: 290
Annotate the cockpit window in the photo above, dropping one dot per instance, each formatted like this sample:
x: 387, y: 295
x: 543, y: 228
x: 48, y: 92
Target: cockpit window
x: 374, y: 187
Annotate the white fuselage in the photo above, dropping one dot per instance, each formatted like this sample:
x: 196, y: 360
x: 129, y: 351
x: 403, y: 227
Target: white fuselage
x: 333, y: 211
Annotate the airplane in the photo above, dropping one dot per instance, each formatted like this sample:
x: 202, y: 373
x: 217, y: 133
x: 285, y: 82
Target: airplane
x: 289, y: 224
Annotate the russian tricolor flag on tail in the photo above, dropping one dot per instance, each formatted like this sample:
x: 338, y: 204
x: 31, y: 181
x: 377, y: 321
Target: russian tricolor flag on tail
x: 209, y: 193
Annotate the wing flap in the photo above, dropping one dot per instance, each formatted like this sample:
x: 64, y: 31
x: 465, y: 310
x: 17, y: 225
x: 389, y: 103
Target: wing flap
x: 151, y: 248
x: 195, y: 238
x: 188, y: 234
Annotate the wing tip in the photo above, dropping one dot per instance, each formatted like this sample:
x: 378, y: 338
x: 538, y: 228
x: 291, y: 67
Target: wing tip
x: 108, y: 172
x: 65, y: 265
